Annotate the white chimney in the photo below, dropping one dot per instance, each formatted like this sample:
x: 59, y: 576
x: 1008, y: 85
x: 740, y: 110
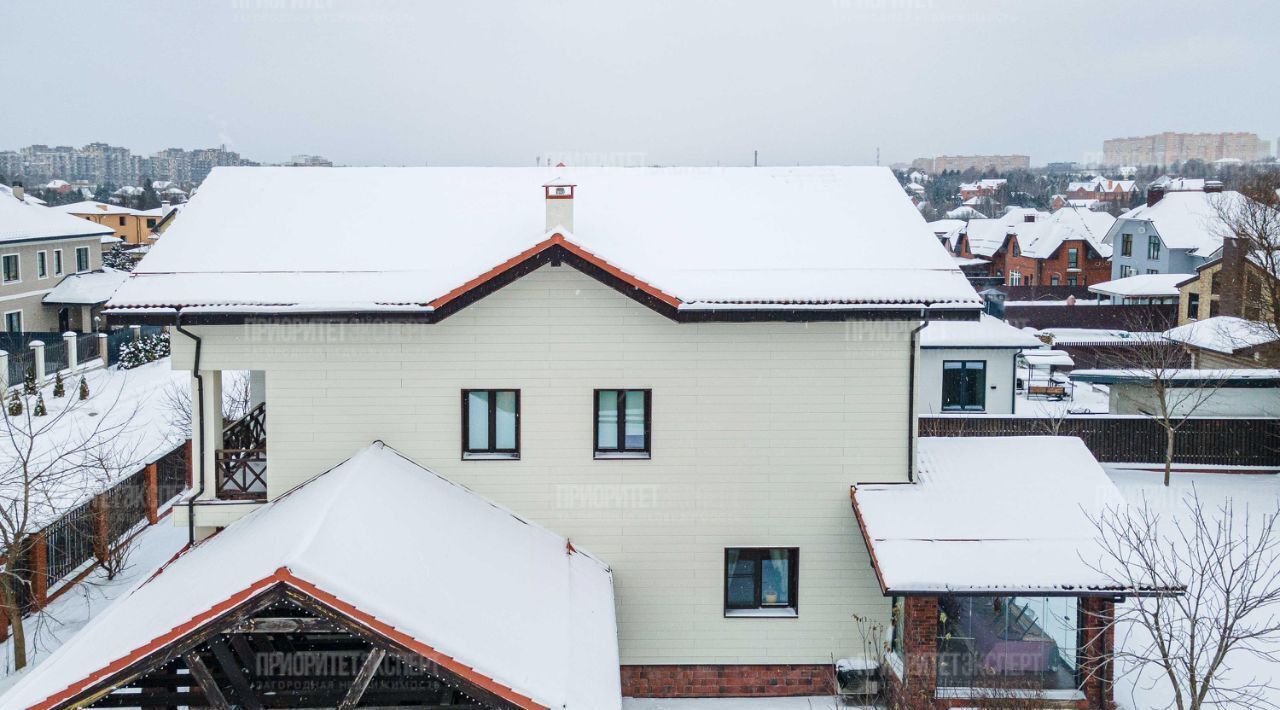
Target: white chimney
x: 559, y: 198
x: 19, y: 192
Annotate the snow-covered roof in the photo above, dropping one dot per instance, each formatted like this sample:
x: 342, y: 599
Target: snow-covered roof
x: 1223, y: 334
x: 986, y: 332
x: 1048, y: 358
x: 94, y: 207
x: 21, y: 221
x: 1142, y: 286
x: 694, y: 238
x: 1186, y: 376
x: 980, y: 519
x: 986, y: 236
x: 1184, y: 220
x: 1040, y: 239
x: 964, y: 212
x: 27, y: 197
x: 947, y: 230
x: 502, y: 598
x: 87, y: 289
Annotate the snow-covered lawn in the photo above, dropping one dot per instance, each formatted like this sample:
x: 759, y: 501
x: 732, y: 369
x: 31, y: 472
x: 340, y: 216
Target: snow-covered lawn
x: 127, y: 419
x: 1261, y: 493
x: 1082, y: 398
x: 153, y: 547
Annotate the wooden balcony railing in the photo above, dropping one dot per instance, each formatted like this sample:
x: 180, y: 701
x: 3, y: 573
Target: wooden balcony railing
x: 242, y: 462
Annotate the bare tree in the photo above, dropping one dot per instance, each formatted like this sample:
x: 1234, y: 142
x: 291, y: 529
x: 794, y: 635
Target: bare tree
x: 1228, y: 563
x: 236, y: 400
x: 1169, y: 392
x: 1249, y: 224
x: 47, y: 463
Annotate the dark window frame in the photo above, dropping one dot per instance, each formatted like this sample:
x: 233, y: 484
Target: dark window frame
x: 621, y: 451
x: 492, y: 452
x: 981, y: 388
x: 793, y: 584
x: 1153, y: 247
x: 1126, y: 245
x: 1073, y: 258
x: 17, y: 268
x: 1193, y: 306
x: 88, y: 260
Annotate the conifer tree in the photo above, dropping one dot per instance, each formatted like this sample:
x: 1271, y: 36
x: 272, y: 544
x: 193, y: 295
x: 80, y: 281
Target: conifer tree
x: 84, y: 388
x: 59, y: 387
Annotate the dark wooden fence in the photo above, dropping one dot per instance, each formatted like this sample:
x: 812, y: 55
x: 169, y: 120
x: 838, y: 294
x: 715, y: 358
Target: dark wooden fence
x: 1219, y: 442
x: 1123, y: 354
x: 1139, y: 317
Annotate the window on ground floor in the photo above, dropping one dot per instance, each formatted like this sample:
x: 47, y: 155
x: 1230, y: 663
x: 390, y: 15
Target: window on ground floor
x: 623, y: 423
x: 898, y: 615
x: 1014, y: 643
x: 964, y: 385
x: 1126, y: 270
x: 761, y: 581
x: 491, y: 424
x: 1053, y: 280
x: 13, y: 321
x: 1071, y: 280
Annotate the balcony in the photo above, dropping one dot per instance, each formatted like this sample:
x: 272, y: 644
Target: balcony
x: 241, y: 463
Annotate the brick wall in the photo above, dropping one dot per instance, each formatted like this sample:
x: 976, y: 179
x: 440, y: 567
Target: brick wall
x: 702, y: 681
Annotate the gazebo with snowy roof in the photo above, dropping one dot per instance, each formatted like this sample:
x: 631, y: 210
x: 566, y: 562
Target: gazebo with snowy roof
x: 378, y: 583
x: 997, y: 580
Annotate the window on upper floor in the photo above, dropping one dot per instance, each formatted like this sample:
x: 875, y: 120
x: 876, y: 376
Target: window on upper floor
x: 42, y: 265
x: 82, y: 259
x: 1126, y: 245
x: 761, y: 581
x: 1193, y: 306
x: 1153, y: 247
x: 122, y: 222
x: 57, y: 262
x: 1073, y: 258
x: 623, y: 423
x: 151, y: 223
x: 964, y: 385
x: 491, y: 424
x: 11, y: 272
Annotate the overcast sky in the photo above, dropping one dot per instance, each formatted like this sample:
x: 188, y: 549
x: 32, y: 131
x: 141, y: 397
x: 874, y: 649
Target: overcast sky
x: 679, y: 82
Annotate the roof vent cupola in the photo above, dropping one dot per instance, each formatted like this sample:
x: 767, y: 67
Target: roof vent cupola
x: 559, y: 198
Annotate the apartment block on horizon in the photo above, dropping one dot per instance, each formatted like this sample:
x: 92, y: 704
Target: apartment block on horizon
x: 1169, y: 148
x: 982, y: 163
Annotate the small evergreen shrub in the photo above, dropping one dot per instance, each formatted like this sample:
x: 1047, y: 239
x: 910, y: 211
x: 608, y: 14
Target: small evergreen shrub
x: 15, y: 404
x: 59, y: 387
x: 84, y: 388
x: 135, y: 353
x: 40, y: 410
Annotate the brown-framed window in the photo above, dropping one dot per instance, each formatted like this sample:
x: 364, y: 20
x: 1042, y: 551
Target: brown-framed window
x: 761, y: 581
x: 491, y: 424
x: 623, y: 423
x: 1073, y: 258
x: 1126, y: 245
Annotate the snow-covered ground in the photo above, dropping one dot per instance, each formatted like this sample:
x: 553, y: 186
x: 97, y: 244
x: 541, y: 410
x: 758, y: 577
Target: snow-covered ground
x: 153, y: 547
x: 1082, y: 398
x: 1142, y: 689
x: 125, y: 423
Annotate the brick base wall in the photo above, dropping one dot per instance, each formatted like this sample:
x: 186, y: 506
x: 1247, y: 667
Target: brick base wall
x: 726, y: 681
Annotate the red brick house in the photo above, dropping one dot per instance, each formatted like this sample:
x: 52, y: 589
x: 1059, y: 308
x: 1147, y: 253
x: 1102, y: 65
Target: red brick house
x: 1027, y: 247
x: 1116, y: 192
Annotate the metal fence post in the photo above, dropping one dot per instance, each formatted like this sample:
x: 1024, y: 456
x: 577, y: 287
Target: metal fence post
x: 69, y: 341
x: 37, y: 361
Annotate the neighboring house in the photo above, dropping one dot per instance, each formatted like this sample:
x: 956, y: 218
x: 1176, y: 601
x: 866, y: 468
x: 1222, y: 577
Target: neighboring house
x: 38, y: 248
x: 970, y: 366
x: 133, y: 226
x: 1190, y: 392
x: 79, y: 298
x: 1224, y: 342
x: 1030, y: 247
x: 1145, y: 288
x: 1175, y: 232
x: 1235, y: 284
x: 1117, y: 193
x: 982, y: 188
x: 947, y: 231
x: 663, y: 387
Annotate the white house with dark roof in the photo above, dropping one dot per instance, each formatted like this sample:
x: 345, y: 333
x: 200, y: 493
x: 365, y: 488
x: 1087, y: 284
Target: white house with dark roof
x: 682, y: 371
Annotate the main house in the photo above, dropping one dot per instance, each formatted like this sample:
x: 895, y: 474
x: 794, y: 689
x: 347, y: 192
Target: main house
x: 657, y: 387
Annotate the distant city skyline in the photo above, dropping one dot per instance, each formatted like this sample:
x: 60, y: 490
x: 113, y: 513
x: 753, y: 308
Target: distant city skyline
x: 393, y: 82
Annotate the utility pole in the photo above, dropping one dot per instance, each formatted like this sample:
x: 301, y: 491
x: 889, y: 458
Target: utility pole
x: 877, y: 156
x: 755, y: 158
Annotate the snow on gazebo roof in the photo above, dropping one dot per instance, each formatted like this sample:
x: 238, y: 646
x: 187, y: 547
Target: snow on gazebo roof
x: 409, y: 551
x: 981, y: 519
x: 409, y: 239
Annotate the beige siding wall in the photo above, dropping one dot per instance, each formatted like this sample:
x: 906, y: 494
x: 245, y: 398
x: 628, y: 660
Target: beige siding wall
x: 759, y: 430
x: 27, y: 293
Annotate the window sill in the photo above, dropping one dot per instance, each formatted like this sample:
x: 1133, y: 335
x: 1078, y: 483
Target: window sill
x: 495, y: 456
x: 972, y: 693
x: 622, y: 455
x: 764, y: 613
